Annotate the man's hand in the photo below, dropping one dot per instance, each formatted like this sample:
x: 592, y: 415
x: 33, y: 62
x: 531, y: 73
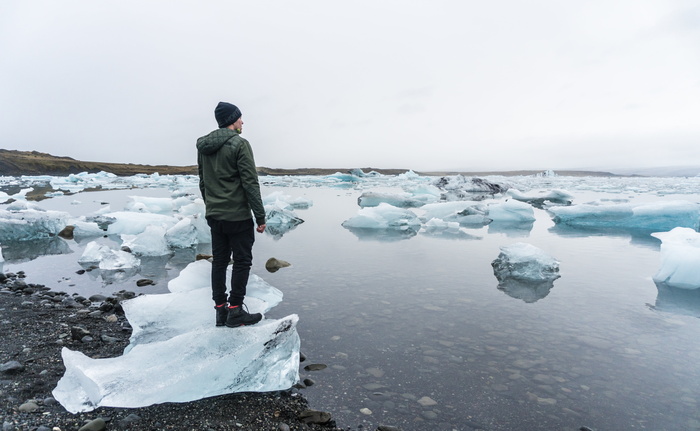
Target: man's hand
x: 260, y: 228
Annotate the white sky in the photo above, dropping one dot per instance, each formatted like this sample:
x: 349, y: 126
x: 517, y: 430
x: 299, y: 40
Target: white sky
x: 423, y: 85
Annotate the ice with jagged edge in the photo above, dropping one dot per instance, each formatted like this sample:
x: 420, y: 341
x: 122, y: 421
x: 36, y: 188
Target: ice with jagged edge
x: 384, y: 216
x: 29, y: 223
x: 680, y: 258
x: 659, y: 216
x: 543, y: 198
x: 106, y: 258
x: 525, y: 272
x: 176, y: 354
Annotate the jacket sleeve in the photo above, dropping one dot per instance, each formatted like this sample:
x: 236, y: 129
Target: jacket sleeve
x: 200, y: 171
x: 249, y: 181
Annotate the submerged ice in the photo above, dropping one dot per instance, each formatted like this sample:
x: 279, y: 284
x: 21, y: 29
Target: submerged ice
x: 176, y: 354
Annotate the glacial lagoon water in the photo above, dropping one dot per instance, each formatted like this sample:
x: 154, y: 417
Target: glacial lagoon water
x: 416, y: 333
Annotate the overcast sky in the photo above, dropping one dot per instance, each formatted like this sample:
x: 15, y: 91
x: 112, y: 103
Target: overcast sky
x: 423, y: 85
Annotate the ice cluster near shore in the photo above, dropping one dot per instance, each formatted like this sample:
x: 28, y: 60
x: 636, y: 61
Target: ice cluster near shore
x: 176, y: 354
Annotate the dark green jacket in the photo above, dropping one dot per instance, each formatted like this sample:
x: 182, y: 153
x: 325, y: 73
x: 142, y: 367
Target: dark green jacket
x: 228, y: 179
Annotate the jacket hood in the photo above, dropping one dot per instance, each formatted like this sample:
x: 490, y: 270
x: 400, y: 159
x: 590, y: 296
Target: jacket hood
x: 212, y: 142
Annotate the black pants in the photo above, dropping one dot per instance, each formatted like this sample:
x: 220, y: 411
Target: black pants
x: 231, y: 239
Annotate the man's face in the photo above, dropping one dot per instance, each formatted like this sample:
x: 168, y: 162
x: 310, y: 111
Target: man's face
x: 238, y: 125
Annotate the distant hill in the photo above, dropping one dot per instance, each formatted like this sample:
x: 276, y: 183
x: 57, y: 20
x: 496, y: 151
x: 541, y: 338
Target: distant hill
x: 16, y: 163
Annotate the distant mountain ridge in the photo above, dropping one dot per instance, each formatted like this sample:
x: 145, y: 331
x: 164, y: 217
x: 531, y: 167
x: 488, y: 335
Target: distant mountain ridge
x: 17, y: 163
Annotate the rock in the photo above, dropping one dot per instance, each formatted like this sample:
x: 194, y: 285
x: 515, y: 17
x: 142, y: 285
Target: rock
x: 11, y: 367
x: 315, y: 367
x: 69, y: 302
x: 43, y: 428
x: 94, y: 425
x: 204, y: 257
x: 97, y: 298
x: 50, y: 401
x: 387, y: 428
x: 366, y: 411
x: 144, y: 282
x: 273, y: 265
x: 78, y: 332
x: 283, y: 427
x: 67, y: 232
x: 309, y: 382
x: 107, y: 339
x: 429, y: 414
x: 427, y: 401
x: 302, y: 357
x: 29, y: 407
x: 314, y: 417
x: 111, y: 318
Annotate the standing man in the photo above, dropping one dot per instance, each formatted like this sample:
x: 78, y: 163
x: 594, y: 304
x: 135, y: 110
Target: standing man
x: 229, y: 184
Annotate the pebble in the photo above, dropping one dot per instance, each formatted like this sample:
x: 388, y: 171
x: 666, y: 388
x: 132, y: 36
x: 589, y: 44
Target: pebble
x: 283, y: 427
x: 129, y: 421
x: 94, y: 425
x: 29, y: 407
x: 366, y: 411
x: 315, y: 367
x: 314, y: 417
x: 387, y: 428
x: 427, y: 401
x: 429, y: 414
x: 11, y: 367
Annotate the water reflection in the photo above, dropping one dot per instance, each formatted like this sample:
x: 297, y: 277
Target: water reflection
x: 365, y: 234
x: 527, y: 291
x: 638, y: 237
x: 512, y: 229
x: 676, y: 300
x: 22, y: 251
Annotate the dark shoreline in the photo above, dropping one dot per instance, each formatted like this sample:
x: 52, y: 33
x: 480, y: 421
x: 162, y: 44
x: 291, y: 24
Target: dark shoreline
x: 36, y: 323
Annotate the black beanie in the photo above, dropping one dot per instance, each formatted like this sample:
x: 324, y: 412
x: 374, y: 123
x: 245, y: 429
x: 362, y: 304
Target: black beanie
x: 226, y: 114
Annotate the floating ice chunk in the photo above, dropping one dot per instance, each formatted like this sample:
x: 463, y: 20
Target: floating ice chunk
x: 558, y: 197
x: 2, y: 259
x: 525, y: 271
x: 444, y: 229
x: 466, y: 213
x: 343, y: 178
x: 659, y: 216
x: 29, y: 224
x: 680, y: 258
x: 106, y: 258
x: 400, y: 200
x: 280, y: 220
x: 511, y: 211
x: 150, y: 204
x: 131, y: 223
x: 182, y: 235
x: 150, y: 242
x: 525, y: 262
x: 384, y: 216
x: 85, y: 229
x: 178, y: 355
x: 461, y: 184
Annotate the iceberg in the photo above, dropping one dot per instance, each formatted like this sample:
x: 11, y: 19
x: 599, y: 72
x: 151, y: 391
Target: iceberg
x: 459, y: 187
x: 176, y: 354
x: 657, y: 216
x: 511, y: 211
x: 150, y: 242
x: 466, y: 213
x: 400, y: 200
x: 525, y: 272
x: 384, y: 216
x: 133, y: 223
x: 106, y: 258
x: 31, y: 224
x: 555, y: 197
x: 183, y: 235
x: 680, y: 258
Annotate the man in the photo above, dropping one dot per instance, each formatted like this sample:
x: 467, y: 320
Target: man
x: 229, y: 184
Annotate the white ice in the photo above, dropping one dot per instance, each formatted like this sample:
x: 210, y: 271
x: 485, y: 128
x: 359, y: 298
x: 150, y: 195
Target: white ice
x: 659, y: 216
x: 176, y: 353
x: 525, y: 262
x: 29, y: 224
x: 150, y: 242
x: 401, y: 200
x: 511, y: 211
x: 384, y: 216
x: 558, y: 197
x: 680, y: 258
x: 133, y: 223
x: 107, y: 258
x: 465, y: 213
